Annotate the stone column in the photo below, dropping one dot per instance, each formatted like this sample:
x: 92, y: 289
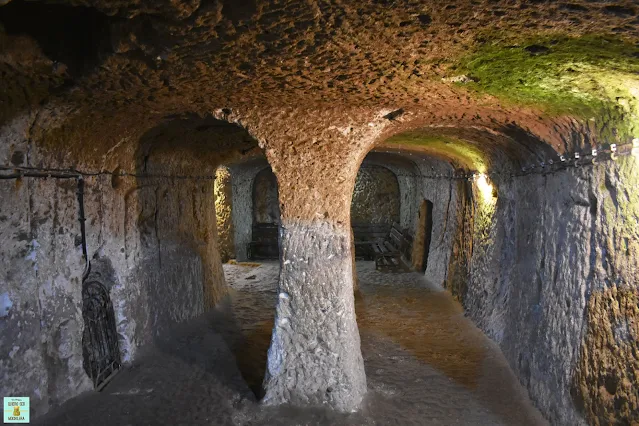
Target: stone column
x: 315, y: 355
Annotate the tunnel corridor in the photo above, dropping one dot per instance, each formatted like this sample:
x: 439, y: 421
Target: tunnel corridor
x: 321, y: 212
x: 425, y: 363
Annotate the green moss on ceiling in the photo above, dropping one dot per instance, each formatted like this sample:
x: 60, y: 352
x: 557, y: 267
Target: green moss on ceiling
x: 459, y: 151
x: 587, y: 77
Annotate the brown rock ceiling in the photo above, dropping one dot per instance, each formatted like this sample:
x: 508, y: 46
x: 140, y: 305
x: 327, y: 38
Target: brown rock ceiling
x: 264, y: 63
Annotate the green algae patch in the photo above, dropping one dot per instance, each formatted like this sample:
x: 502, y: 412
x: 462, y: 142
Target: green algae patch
x: 461, y: 152
x: 587, y: 77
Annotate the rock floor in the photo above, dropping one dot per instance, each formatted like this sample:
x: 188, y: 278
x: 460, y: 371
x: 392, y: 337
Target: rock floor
x: 425, y: 364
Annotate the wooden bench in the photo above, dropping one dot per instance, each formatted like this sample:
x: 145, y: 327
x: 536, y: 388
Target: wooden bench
x: 364, y: 235
x: 264, y: 244
x: 389, y: 252
x: 387, y: 257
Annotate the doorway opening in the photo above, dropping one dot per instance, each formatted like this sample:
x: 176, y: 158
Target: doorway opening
x: 266, y: 217
x: 248, y: 220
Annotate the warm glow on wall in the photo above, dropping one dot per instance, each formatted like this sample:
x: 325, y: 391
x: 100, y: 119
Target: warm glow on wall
x: 485, y: 187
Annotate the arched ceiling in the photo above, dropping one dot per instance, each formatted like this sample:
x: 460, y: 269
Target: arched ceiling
x: 193, y: 145
x: 473, y: 149
x: 126, y: 61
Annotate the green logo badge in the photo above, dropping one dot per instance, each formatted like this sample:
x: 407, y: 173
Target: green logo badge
x: 16, y: 409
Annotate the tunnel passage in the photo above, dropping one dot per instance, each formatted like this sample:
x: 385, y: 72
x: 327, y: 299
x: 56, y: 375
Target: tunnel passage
x: 151, y: 214
x: 256, y: 220
x: 414, y: 180
x: 448, y: 198
x: 250, y: 210
x: 509, y: 227
x: 264, y: 243
x: 177, y: 222
x: 248, y: 219
x: 483, y: 96
x: 376, y: 209
x: 247, y: 210
x: 179, y: 164
x: 453, y: 175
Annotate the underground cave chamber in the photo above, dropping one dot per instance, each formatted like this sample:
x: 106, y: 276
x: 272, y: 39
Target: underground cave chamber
x: 481, y: 203
x: 462, y: 194
x: 322, y: 213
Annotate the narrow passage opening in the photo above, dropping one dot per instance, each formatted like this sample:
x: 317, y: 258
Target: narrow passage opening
x: 248, y: 220
x: 413, y: 330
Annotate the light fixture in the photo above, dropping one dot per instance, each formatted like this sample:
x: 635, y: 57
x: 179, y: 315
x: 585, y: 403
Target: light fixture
x: 486, y: 188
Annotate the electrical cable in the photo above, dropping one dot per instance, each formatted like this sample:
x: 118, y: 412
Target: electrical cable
x: 40, y: 172
x: 548, y: 166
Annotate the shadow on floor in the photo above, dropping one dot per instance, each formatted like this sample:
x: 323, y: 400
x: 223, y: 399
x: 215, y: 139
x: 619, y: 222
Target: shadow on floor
x: 425, y: 364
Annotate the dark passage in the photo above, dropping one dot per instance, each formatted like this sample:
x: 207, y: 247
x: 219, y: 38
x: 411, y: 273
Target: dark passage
x: 77, y: 37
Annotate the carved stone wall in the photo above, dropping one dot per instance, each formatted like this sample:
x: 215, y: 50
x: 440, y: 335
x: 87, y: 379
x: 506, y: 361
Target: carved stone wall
x: 376, y: 197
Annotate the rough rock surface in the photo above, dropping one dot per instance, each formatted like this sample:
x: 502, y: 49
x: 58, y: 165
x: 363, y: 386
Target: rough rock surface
x: 266, y: 207
x: 184, y: 55
x: 223, y: 213
x: 609, y: 359
x: 40, y: 339
x: 315, y: 356
x: 408, y: 179
x: 442, y: 192
x: 159, y: 237
x: 376, y: 197
x: 552, y: 282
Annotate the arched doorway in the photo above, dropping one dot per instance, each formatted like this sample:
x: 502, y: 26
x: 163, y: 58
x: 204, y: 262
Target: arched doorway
x: 250, y: 205
x: 266, y: 217
x: 375, y: 208
x: 100, y: 350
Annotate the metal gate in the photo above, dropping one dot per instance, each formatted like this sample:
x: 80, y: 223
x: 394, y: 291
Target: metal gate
x: 100, y: 340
